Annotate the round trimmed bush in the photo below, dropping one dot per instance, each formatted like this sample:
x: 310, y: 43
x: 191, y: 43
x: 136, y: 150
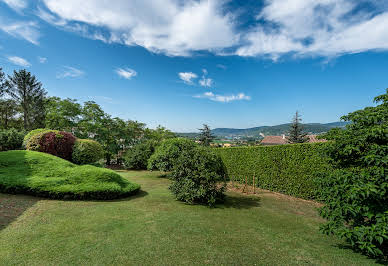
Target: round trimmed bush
x: 196, y: 176
x: 87, y: 151
x: 58, y: 143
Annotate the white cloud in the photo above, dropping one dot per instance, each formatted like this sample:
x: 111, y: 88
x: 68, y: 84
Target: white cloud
x: 223, y: 98
x: 21, y: 29
x: 221, y: 66
x: 206, y: 82
x: 182, y: 28
x: 187, y: 77
x: 70, y: 72
x: 126, y: 73
x: 172, y: 27
x: 319, y: 27
x: 42, y: 60
x: 16, y: 4
x: 19, y: 61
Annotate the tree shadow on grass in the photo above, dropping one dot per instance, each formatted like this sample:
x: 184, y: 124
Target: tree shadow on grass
x: 345, y: 246
x: 240, y: 202
x: 12, y: 206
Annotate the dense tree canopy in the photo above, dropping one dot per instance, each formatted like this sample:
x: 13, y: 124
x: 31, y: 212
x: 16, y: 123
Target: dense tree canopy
x: 356, y: 194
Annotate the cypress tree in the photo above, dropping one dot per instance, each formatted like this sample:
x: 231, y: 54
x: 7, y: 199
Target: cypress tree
x: 296, y: 133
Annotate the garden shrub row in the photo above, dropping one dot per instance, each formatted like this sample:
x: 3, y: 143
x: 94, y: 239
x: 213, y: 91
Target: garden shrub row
x: 64, y: 145
x: 290, y: 169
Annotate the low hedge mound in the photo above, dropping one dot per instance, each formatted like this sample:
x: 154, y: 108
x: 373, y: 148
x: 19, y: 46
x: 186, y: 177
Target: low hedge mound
x: 289, y: 169
x: 41, y: 174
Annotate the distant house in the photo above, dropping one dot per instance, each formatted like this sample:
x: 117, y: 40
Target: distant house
x: 279, y: 140
x: 227, y: 145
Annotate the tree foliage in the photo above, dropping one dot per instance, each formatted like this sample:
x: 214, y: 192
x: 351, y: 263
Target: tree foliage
x: 205, y: 136
x: 62, y: 114
x: 356, y: 194
x: 29, y: 95
x: 137, y: 156
x: 296, y: 133
x: 166, y: 154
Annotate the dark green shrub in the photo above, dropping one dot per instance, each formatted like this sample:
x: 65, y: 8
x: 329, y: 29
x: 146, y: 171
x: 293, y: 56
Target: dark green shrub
x: 167, y: 152
x: 137, y: 156
x: 196, y: 175
x: 54, y: 142
x: 290, y: 169
x: 86, y: 151
x: 356, y: 193
x: 11, y: 139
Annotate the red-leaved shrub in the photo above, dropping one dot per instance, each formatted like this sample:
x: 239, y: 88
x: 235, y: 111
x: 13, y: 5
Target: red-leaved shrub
x: 58, y: 143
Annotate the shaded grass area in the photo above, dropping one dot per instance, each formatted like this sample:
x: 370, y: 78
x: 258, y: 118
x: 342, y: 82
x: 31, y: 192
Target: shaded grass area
x: 152, y: 228
x: 41, y: 174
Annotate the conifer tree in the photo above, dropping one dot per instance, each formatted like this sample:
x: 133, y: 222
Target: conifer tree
x: 296, y: 133
x: 206, y: 136
x: 29, y: 96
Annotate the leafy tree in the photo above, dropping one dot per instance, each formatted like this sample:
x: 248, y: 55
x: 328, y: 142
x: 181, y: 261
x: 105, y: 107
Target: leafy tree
x: 8, y: 112
x: 296, y: 134
x: 205, y: 136
x: 195, y: 176
x: 28, y: 94
x: 159, y: 134
x: 62, y: 114
x: 2, y: 82
x: 137, y: 156
x: 356, y: 194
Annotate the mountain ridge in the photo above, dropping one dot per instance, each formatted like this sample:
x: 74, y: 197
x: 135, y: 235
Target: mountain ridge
x: 311, y: 128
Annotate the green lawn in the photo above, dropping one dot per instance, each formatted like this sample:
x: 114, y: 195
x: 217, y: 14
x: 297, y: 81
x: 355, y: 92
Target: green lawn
x: 153, y: 228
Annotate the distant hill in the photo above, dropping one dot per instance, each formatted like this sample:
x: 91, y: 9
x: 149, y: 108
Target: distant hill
x: 311, y: 128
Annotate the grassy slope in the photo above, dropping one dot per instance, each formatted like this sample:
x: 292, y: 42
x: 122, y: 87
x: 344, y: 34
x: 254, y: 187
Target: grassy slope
x: 152, y: 228
x: 39, y: 173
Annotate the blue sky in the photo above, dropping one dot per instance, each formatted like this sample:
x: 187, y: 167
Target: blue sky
x: 184, y: 63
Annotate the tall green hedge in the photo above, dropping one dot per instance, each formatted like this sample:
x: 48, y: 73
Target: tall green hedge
x: 288, y: 169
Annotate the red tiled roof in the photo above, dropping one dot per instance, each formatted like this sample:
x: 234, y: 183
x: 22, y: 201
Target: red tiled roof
x: 274, y: 140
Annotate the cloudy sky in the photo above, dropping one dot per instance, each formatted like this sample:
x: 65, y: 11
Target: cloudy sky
x: 183, y: 63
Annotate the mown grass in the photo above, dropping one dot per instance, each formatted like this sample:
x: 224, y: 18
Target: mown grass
x: 41, y: 174
x: 153, y: 229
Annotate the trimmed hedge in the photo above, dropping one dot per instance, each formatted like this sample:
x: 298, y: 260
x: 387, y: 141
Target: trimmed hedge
x: 290, y: 169
x: 87, y: 151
